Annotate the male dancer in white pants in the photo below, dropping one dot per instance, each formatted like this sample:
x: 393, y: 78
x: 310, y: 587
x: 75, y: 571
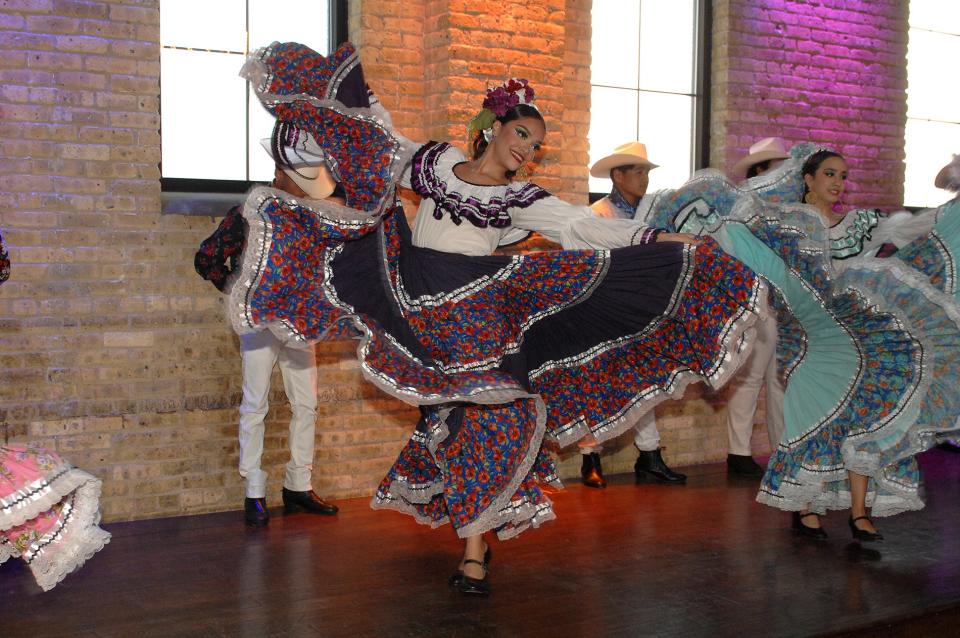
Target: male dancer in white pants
x: 301, y: 173
x: 260, y: 352
x: 628, y: 168
x: 761, y: 368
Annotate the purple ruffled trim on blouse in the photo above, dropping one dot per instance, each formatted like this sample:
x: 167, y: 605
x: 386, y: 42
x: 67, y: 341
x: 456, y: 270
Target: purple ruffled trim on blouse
x: 494, y: 212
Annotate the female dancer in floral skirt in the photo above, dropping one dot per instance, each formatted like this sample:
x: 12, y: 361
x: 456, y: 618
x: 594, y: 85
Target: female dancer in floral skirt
x: 502, y: 353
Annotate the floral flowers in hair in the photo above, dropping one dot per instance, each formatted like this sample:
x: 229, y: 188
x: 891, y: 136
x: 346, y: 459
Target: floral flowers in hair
x: 498, y: 101
x: 501, y: 99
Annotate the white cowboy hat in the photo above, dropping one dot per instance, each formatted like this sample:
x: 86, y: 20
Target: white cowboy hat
x: 949, y: 176
x: 769, y: 148
x: 629, y: 154
x: 302, y: 160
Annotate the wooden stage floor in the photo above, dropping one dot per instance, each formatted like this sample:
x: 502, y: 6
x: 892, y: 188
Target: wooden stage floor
x: 697, y: 560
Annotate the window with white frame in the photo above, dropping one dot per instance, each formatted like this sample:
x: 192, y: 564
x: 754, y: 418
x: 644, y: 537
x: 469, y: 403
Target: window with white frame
x: 211, y: 122
x: 644, y: 84
x: 933, y: 118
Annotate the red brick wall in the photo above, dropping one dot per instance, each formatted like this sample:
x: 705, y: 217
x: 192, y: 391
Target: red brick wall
x: 115, y: 353
x: 833, y: 73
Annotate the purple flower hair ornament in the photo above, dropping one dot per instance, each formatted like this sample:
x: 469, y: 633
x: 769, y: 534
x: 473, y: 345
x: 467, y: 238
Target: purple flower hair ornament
x: 498, y: 101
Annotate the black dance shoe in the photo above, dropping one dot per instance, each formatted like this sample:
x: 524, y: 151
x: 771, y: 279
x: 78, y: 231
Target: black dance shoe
x: 255, y: 512
x: 470, y: 586
x: 591, y: 472
x: 650, y: 465
x: 308, y: 501
x: 863, y: 535
x: 816, y: 533
x: 743, y: 465
x: 457, y: 576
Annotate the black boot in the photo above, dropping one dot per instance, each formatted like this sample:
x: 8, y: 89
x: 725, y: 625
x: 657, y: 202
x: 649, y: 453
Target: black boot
x: 591, y: 472
x: 743, y: 465
x: 308, y: 501
x: 255, y: 512
x: 650, y: 465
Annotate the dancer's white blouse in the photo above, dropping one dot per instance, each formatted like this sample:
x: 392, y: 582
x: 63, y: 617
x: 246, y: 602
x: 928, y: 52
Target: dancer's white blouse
x: 571, y: 226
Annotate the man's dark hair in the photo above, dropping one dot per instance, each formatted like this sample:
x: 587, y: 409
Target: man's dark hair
x: 755, y: 169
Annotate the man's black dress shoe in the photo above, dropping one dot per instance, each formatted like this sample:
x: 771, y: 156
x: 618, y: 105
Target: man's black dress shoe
x: 862, y: 534
x: 591, y: 473
x: 255, y: 512
x: 650, y: 465
x: 816, y: 533
x: 308, y: 501
x: 743, y: 465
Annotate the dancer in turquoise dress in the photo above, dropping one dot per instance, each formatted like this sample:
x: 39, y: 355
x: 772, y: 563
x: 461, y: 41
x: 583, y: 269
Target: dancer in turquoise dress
x: 935, y: 254
x: 868, y: 348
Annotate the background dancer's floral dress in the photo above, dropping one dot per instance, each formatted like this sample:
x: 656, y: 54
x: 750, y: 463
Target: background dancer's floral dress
x: 869, y: 349
x: 49, y: 510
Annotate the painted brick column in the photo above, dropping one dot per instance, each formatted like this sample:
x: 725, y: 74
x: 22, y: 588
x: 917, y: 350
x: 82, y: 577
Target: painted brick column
x: 833, y: 73
x: 431, y: 62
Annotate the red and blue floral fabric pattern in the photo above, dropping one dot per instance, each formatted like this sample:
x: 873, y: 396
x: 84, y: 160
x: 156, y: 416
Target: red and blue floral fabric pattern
x: 303, y: 88
x: 481, y: 473
x: 362, y: 154
x: 295, y: 69
x: 394, y: 369
x: 694, y: 340
x: 288, y: 262
x: 218, y: 259
x: 477, y: 325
